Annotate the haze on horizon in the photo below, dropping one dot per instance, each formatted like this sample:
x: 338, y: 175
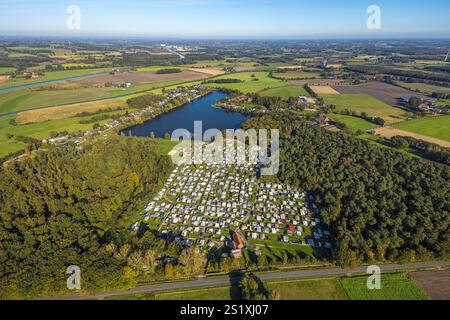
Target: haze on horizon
x: 225, y: 18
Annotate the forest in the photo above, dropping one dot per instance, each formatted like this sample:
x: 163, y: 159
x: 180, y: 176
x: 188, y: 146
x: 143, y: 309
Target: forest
x: 379, y: 204
x: 69, y: 206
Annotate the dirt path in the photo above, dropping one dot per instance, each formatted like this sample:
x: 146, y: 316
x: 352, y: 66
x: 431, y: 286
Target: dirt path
x: 389, y: 132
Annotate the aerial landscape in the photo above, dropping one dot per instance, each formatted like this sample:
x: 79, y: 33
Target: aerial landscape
x: 226, y: 159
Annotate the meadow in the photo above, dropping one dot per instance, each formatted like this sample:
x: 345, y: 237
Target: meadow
x: 7, y: 70
x: 56, y: 113
x: 53, y: 75
x: 56, y: 95
x: 354, y: 123
x: 39, y: 131
x: 365, y: 103
x: 424, y: 87
x: 436, y: 127
x: 286, y: 92
x: 394, y: 286
x: 252, y: 82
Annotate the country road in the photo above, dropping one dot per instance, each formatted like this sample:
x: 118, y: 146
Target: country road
x: 223, y: 281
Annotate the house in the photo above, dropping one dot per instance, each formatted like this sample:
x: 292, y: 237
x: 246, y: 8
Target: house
x: 322, y: 120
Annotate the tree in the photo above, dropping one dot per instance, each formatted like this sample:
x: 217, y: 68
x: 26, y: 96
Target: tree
x: 192, y: 260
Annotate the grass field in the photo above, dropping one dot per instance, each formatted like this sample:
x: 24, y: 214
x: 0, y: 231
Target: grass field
x: 253, y: 82
x: 304, y: 289
x: 425, y: 88
x: 394, y: 286
x: 286, y: 92
x: 436, y: 127
x: 164, y: 146
x: 354, y: 123
x: 365, y: 103
x: 55, y: 113
x: 310, y: 289
x: 7, y: 70
x: 25, y: 99
x: 40, y: 130
x: 53, y: 76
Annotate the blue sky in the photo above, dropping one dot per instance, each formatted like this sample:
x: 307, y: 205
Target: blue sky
x: 226, y: 18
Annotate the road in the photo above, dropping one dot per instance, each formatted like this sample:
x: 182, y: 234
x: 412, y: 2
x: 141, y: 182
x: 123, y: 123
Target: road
x: 223, y: 281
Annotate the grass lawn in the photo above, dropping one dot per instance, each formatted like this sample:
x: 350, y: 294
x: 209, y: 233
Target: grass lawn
x: 394, y: 286
x: 365, y: 103
x: 310, y: 289
x: 286, y: 92
x: 436, y: 127
x: 354, y: 123
x: 164, y: 146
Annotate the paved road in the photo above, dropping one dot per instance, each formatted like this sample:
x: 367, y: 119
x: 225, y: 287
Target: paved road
x: 213, y: 282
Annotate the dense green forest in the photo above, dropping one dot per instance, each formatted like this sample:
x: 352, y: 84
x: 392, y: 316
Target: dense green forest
x: 73, y: 206
x: 379, y: 204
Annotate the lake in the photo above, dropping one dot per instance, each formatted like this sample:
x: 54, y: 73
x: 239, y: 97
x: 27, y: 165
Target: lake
x: 183, y: 117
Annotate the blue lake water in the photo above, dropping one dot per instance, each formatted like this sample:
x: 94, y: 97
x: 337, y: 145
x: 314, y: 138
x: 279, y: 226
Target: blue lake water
x: 183, y: 117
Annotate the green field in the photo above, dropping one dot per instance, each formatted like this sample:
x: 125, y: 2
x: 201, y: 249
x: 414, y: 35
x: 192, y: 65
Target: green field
x: 7, y: 70
x: 365, y: 103
x: 436, y: 127
x: 354, y: 123
x: 424, y: 88
x: 297, y: 75
x: 25, y: 99
x: 394, y: 286
x: 286, y: 92
x: 40, y: 130
x: 164, y: 146
x: 259, y: 82
x: 310, y: 289
x: 54, y: 75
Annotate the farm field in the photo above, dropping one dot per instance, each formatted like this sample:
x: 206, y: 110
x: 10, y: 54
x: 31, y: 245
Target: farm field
x: 311, y: 289
x: 66, y: 93
x: 249, y: 84
x: 292, y: 75
x: 286, y: 92
x: 323, y: 90
x: 7, y: 70
x: 387, y: 93
x: 436, y: 127
x: 388, y: 132
x: 425, y: 88
x: 354, y: 123
x: 40, y: 130
x: 145, y: 77
x: 364, y: 103
x: 55, y: 113
x: 394, y: 286
x: 54, y: 75
x: 435, y: 283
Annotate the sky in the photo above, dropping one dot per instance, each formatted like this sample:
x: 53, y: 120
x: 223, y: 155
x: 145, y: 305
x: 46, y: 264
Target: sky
x: 225, y: 18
